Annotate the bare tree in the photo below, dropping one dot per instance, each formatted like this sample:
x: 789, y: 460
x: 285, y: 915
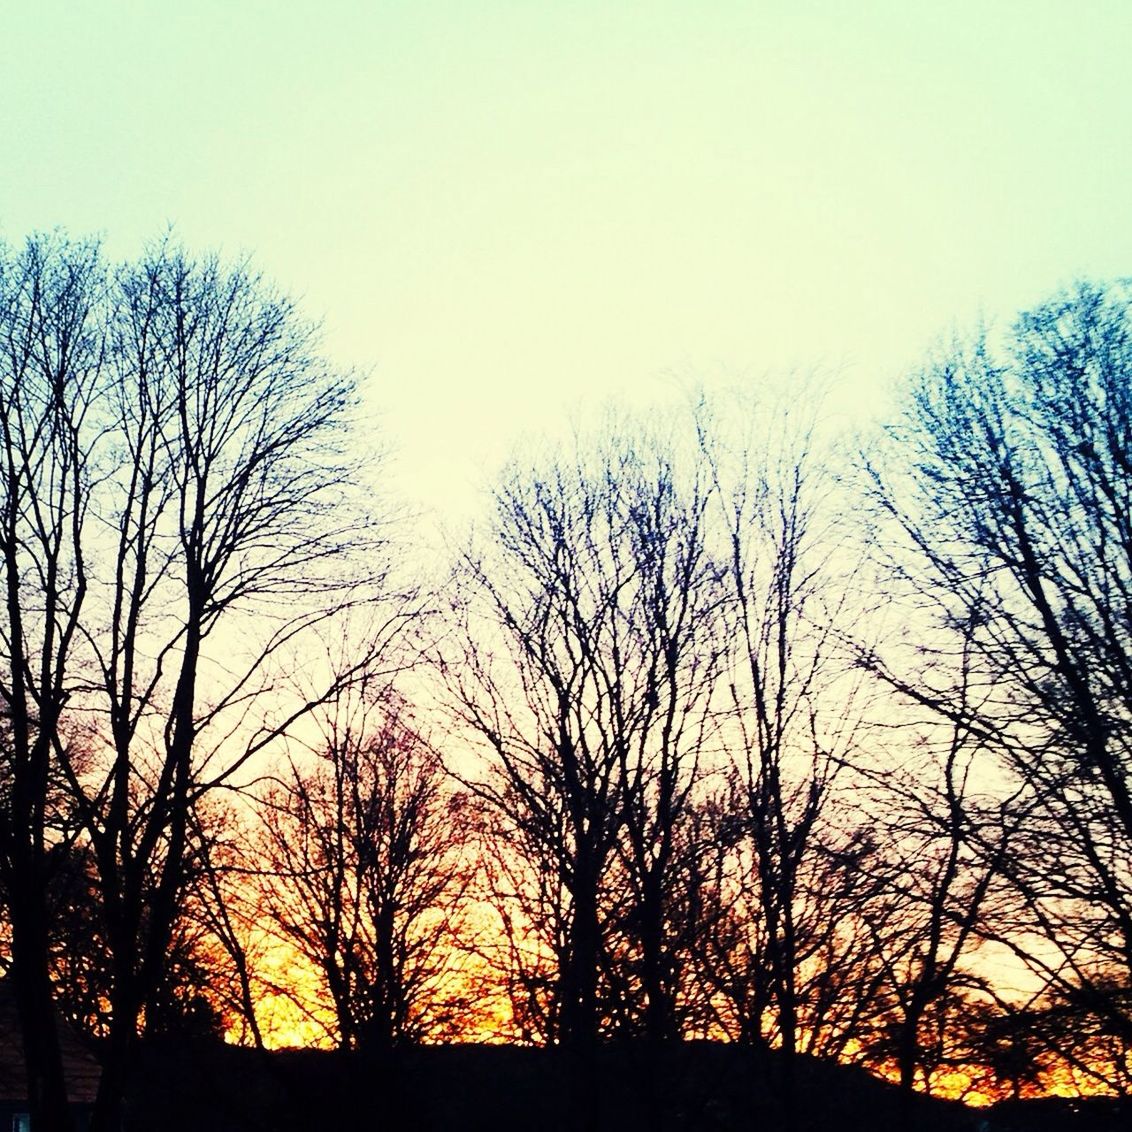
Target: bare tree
x: 366, y: 869
x: 838, y: 979
x: 664, y: 738
x: 179, y: 516
x: 938, y: 886
x: 224, y: 903
x: 587, y: 670
x: 528, y: 681
x: 793, y: 714
x: 936, y: 881
x: 227, y: 507
x: 52, y: 344
x: 1010, y: 499
x: 81, y: 968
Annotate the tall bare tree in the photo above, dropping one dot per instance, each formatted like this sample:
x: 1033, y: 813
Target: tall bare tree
x: 1010, y: 496
x: 667, y: 730
x: 52, y: 348
x: 529, y: 682
x: 588, y: 671
x: 232, y: 512
x: 179, y: 515
x: 794, y: 725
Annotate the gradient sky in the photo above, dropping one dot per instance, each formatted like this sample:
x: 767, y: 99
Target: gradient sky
x: 508, y: 212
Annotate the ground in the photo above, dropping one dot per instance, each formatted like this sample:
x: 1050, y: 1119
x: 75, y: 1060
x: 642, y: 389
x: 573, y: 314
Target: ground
x: 699, y: 1087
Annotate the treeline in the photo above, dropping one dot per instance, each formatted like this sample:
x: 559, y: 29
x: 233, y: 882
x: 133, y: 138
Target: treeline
x: 718, y: 728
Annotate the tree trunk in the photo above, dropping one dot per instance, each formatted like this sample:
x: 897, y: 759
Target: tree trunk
x: 579, y: 1027
x: 47, y: 1088
x: 118, y: 1053
x: 660, y: 1021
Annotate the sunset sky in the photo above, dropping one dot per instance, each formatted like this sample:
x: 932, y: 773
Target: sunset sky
x: 508, y: 212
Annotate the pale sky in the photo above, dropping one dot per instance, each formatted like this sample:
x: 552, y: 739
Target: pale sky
x: 509, y: 212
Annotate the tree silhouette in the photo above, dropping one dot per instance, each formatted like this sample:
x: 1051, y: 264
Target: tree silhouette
x: 364, y: 851
x: 590, y: 655
x: 178, y: 517
x: 1009, y: 493
x: 52, y: 346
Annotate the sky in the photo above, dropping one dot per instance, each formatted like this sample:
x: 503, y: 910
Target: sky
x: 509, y: 213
